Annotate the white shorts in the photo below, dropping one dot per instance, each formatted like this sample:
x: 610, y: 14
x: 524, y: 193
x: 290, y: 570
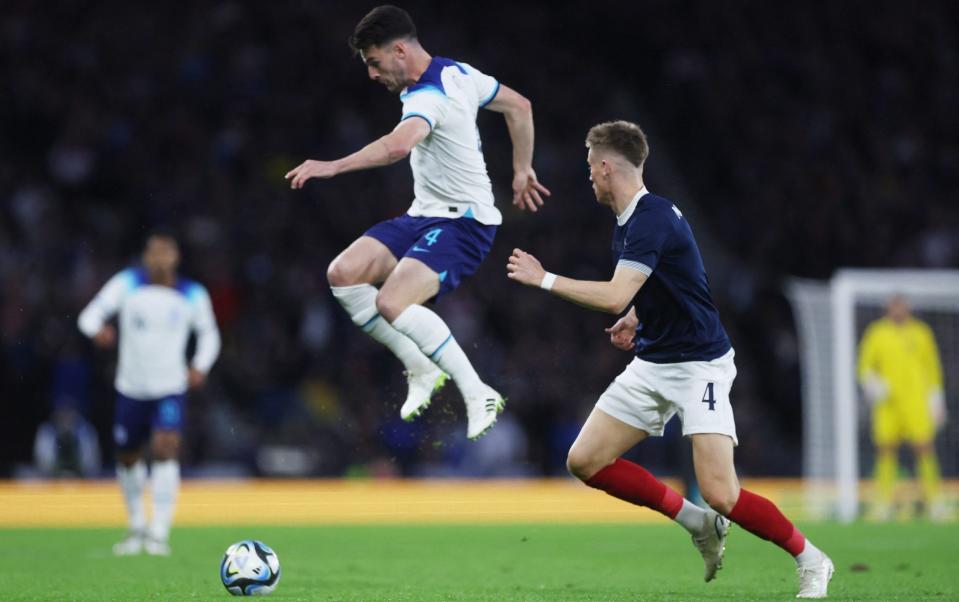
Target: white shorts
x: 646, y: 395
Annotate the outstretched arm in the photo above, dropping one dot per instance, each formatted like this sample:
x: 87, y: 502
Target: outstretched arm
x: 613, y: 296
x: 518, y: 112
x: 383, y: 151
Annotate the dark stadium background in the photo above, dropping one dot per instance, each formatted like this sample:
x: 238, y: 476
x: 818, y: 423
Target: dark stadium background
x: 797, y: 138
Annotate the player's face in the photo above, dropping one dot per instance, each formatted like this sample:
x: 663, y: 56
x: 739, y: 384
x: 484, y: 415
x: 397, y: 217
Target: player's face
x: 599, y: 176
x: 385, y: 65
x: 898, y: 309
x: 161, y: 255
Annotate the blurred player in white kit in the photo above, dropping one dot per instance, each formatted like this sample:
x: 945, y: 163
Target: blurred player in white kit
x: 157, y: 310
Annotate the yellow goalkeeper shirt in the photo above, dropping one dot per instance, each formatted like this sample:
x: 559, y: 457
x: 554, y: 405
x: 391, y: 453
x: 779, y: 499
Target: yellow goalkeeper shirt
x: 905, y: 357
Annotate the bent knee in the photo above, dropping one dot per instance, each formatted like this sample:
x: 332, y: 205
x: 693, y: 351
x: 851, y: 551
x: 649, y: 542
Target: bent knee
x: 720, y: 497
x: 166, y: 446
x: 341, y: 273
x: 584, y: 466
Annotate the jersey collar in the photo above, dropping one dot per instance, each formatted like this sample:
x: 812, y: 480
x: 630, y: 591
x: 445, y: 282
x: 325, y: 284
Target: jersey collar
x: 627, y: 213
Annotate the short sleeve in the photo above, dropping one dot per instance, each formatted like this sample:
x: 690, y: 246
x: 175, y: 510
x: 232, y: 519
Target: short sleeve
x: 425, y: 102
x: 487, y: 87
x: 646, y: 236
x: 106, y: 303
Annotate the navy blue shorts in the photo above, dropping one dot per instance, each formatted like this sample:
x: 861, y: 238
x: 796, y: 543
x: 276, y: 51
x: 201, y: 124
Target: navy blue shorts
x: 453, y: 248
x: 135, y: 419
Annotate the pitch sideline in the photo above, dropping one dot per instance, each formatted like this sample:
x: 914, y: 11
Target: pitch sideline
x: 318, y: 502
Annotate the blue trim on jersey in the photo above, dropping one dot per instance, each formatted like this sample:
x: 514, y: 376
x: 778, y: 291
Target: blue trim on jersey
x: 370, y: 321
x: 135, y: 278
x: 442, y: 345
x: 420, y: 88
x: 190, y: 289
x: 469, y: 213
x: 420, y: 115
x: 491, y: 97
x: 432, y: 78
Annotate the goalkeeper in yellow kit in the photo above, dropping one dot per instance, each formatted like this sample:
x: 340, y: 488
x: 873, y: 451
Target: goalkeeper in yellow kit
x: 900, y: 374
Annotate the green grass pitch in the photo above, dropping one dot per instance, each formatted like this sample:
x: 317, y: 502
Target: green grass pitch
x: 911, y: 562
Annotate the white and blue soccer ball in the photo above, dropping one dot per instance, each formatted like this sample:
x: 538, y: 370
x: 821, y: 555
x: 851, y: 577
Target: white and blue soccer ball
x: 250, y: 568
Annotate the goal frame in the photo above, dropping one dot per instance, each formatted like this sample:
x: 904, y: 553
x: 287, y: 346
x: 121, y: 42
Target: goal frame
x: 925, y: 289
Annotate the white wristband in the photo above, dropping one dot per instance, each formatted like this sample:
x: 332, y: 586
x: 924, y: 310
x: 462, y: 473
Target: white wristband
x: 548, y: 280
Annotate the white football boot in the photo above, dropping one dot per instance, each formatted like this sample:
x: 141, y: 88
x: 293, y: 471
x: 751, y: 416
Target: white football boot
x: 711, y: 542
x: 482, y: 409
x: 421, y: 390
x: 814, y: 578
x: 131, y: 545
x: 156, y: 547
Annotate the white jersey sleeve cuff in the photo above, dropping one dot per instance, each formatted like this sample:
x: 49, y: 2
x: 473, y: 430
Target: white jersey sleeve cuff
x: 489, y: 98
x: 635, y: 265
x: 420, y: 115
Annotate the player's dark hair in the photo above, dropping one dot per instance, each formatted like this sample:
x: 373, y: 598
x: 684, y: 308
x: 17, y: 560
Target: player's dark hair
x: 381, y: 26
x: 622, y: 137
x: 163, y: 233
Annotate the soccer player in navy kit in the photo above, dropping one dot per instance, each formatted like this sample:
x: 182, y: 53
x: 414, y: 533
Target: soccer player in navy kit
x: 683, y: 364
x: 384, y: 278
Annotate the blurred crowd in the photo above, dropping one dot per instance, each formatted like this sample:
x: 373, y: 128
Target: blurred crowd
x: 807, y: 136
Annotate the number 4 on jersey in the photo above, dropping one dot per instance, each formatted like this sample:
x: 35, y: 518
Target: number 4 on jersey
x: 709, y: 397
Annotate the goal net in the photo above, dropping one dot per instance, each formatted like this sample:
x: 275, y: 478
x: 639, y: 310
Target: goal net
x: 830, y: 319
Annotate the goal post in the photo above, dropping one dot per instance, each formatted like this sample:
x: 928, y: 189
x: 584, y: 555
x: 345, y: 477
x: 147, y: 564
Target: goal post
x: 830, y: 316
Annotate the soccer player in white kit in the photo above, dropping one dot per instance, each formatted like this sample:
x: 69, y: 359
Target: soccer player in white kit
x: 683, y: 365
x: 156, y: 312
x: 449, y: 229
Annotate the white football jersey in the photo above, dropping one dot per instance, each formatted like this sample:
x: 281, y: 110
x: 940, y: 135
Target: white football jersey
x: 449, y: 172
x: 154, y: 327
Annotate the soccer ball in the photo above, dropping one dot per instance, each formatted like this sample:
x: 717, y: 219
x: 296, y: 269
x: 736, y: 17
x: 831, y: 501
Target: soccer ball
x: 250, y: 568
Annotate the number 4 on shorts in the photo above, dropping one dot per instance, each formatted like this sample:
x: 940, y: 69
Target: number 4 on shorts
x: 709, y: 398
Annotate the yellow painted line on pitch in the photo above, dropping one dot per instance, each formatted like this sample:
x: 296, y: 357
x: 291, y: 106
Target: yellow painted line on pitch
x: 321, y: 502
x: 92, y: 504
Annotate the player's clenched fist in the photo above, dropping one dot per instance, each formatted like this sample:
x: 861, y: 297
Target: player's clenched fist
x: 622, y: 334
x: 524, y: 268
x: 106, y: 337
x: 310, y: 169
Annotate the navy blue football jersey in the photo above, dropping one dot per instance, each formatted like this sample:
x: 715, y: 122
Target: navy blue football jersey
x: 677, y: 319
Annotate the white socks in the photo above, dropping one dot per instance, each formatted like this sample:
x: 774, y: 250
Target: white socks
x: 359, y: 301
x: 690, y: 516
x: 433, y: 337
x: 132, y: 481
x: 810, y: 555
x: 166, y: 486
x: 418, y: 337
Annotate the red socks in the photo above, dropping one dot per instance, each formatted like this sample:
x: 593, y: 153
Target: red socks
x: 762, y: 518
x: 636, y: 485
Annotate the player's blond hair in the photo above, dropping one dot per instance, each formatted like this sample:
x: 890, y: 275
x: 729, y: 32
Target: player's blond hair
x: 622, y: 137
